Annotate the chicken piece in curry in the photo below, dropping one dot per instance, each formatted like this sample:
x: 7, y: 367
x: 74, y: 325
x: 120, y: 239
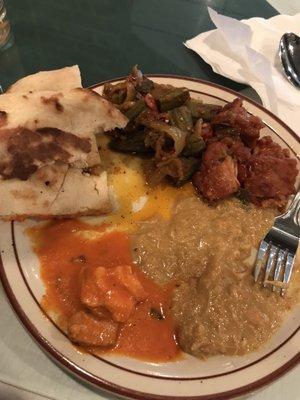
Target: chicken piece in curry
x: 110, y: 296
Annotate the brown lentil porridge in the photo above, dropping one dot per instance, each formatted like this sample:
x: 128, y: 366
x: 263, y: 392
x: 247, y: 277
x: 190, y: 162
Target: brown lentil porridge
x: 207, y: 251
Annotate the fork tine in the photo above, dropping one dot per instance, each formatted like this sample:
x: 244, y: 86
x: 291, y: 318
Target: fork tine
x: 278, y: 266
x: 270, y: 262
x: 290, y: 258
x: 262, y: 251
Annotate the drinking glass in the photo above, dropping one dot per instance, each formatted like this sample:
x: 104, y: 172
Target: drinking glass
x: 5, y: 30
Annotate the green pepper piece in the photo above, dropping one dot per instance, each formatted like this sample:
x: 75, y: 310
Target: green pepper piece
x: 182, y: 118
x: 194, y: 145
x: 202, y: 110
x: 145, y: 86
x: 118, y: 97
x: 193, y: 105
x: 174, y: 98
x: 136, y: 109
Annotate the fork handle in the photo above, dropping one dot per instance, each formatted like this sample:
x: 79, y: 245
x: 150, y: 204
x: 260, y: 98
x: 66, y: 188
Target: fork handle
x: 293, y: 209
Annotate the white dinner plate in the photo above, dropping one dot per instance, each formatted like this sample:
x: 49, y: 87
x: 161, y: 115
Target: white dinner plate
x: 220, y: 377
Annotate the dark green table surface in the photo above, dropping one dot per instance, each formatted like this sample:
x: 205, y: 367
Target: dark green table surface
x: 106, y: 37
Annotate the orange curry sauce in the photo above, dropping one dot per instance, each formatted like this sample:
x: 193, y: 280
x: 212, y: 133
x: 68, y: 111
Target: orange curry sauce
x: 59, y: 243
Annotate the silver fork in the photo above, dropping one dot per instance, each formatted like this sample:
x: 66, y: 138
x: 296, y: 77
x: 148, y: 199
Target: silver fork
x: 278, y: 249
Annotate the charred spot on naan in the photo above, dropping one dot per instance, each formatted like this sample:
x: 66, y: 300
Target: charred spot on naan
x: 3, y: 118
x: 62, y: 138
x: 28, y: 150
x: 54, y: 100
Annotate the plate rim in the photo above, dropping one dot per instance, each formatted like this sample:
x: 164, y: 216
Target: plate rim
x: 111, y: 387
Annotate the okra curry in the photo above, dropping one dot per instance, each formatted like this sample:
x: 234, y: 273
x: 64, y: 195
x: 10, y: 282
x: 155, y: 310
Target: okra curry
x: 169, y: 271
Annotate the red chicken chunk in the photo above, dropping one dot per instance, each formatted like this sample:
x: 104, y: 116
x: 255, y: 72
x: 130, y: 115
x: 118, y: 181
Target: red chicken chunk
x: 217, y: 177
x: 271, y: 174
x: 265, y: 146
x: 241, y: 154
x: 87, y: 330
x: 266, y: 173
x: 207, y: 132
x: 236, y: 116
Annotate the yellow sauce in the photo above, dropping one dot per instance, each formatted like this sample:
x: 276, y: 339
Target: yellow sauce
x: 135, y: 200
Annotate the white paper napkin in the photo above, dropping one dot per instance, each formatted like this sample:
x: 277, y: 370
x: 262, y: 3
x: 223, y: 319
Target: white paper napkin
x: 246, y: 52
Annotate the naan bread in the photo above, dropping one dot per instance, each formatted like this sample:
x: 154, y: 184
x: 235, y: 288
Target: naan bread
x: 55, y: 80
x: 55, y: 191
x: 49, y: 160
x: 82, y: 194
x: 79, y: 112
